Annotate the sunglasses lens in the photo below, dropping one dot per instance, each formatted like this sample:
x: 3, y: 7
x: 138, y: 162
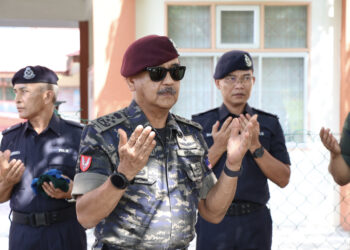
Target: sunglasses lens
x: 177, y: 73
x: 157, y: 73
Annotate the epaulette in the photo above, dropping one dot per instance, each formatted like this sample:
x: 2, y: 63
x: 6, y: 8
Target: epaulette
x: 186, y: 121
x: 206, y: 112
x: 74, y: 123
x: 12, y: 128
x: 106, y: 122
x: 265, y: 113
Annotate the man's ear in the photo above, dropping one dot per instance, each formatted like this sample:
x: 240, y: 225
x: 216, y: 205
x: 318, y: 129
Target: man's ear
x: 217, y: 84
x: 131, y: 83
x: 48, y: 96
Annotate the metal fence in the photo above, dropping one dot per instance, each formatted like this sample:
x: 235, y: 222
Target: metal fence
x: 306, y: 213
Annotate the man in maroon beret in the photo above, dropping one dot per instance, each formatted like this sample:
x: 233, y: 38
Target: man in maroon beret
x: 143, y: 171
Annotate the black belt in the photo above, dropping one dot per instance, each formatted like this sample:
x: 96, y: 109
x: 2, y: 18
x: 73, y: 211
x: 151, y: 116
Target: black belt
x: 243, y: 207
x: 44, y: 218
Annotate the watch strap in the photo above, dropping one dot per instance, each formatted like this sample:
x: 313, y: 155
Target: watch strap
x: 231, y: 173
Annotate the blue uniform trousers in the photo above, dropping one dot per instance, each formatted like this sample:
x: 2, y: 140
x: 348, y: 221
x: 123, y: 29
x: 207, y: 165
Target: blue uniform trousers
x: 66, y: 235
x: 245, y: 232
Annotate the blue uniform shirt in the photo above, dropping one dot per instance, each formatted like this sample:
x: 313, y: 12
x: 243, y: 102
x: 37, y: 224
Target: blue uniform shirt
x: 56, y: 147
x: 252, y: 184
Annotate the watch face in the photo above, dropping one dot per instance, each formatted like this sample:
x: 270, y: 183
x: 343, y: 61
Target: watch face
x: 259, y: 152
x: 119, y: 181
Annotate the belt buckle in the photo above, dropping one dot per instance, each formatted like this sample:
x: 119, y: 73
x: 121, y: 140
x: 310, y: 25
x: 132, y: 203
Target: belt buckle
x: 39, y: 219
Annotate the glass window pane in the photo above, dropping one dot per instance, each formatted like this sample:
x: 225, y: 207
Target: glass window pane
x: 9, y: 94
x: 237, y: 27
x: 189, y: 26
x: 197, y: 90
x: 283, y: 91
x: 285, y: 26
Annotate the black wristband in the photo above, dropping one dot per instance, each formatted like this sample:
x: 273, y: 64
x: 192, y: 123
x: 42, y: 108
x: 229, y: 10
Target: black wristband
x: 231, y: 173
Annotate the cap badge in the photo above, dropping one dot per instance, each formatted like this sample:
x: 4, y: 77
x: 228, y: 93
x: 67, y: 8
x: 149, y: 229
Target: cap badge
x: 28, y: 73
x: 248, y: 62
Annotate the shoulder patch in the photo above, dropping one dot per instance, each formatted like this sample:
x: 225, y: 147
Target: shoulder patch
x: 206, y: 112
x: 74, y: 123
x: 186, y: 121
x: 106, y: 122
x: 12, y: 128
x: 265, y: 113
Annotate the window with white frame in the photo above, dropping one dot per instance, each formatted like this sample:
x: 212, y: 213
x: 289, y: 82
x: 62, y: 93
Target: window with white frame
x: 237, y: 26
x: 276, y: 37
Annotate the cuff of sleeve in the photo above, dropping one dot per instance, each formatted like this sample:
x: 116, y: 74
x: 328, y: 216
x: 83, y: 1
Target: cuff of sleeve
x: 208, y: 182
x: 85, y: 182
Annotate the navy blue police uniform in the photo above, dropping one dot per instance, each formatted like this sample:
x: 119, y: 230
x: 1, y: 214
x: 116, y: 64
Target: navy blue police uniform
x: 39, y: 222
x: 247, y: 223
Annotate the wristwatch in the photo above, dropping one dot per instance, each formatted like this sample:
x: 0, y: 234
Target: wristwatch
x: 259, y: 152
x: 120, y: 181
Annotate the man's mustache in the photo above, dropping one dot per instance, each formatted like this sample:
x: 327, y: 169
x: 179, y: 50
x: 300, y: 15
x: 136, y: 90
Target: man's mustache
x: 167, y: 90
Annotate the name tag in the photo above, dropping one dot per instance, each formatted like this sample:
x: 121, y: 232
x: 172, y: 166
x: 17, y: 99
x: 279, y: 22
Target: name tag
x: 62, y: 150
x: 186, y: 142
x: 15, y: 153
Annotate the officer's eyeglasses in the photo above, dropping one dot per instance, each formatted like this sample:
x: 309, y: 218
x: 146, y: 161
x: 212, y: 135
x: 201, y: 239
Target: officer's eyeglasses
x: 234, y: 79
x: 159, y: 73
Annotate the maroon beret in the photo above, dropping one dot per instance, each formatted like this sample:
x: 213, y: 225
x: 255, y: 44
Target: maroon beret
x: 148, y: 51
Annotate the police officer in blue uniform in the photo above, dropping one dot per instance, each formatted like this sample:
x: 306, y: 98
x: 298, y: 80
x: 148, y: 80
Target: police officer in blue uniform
x: 247, y: 223
x: 28, y: 150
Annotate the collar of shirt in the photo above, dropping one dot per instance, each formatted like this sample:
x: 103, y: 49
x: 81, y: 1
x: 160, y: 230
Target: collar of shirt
x: 137, y: 117
x: 224, y: 112
x: 54, y: 125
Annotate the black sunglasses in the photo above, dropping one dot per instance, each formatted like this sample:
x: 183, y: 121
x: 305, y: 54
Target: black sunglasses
x: 158, y: 73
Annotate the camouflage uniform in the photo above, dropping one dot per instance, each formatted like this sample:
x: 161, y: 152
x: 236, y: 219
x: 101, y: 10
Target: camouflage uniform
x: 345, y: 141
x: 158, y: 211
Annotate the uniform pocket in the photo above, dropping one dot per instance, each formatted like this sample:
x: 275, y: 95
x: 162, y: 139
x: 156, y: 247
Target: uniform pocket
x: 143, y: 177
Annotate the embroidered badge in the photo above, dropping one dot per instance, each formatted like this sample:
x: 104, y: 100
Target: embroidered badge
x: 28, y: 73
x: 186, y: 142
x: 248, y: 62
x: 85, y: 162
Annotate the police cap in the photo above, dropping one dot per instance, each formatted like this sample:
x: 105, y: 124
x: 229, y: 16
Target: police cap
x: 35, y: 74
x: 231, y: 61
x: 148, y: 51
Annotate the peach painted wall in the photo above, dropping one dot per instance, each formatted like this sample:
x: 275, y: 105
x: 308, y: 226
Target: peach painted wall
x: 113, y: 31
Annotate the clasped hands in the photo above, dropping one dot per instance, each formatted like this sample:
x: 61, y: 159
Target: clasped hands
x: 236, y: 136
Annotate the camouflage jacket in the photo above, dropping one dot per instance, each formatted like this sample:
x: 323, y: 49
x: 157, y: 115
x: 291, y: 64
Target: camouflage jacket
x: 158, y: 211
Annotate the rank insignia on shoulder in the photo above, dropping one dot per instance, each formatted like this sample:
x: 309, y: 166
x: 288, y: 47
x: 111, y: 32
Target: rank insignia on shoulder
x: 85, y: 162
